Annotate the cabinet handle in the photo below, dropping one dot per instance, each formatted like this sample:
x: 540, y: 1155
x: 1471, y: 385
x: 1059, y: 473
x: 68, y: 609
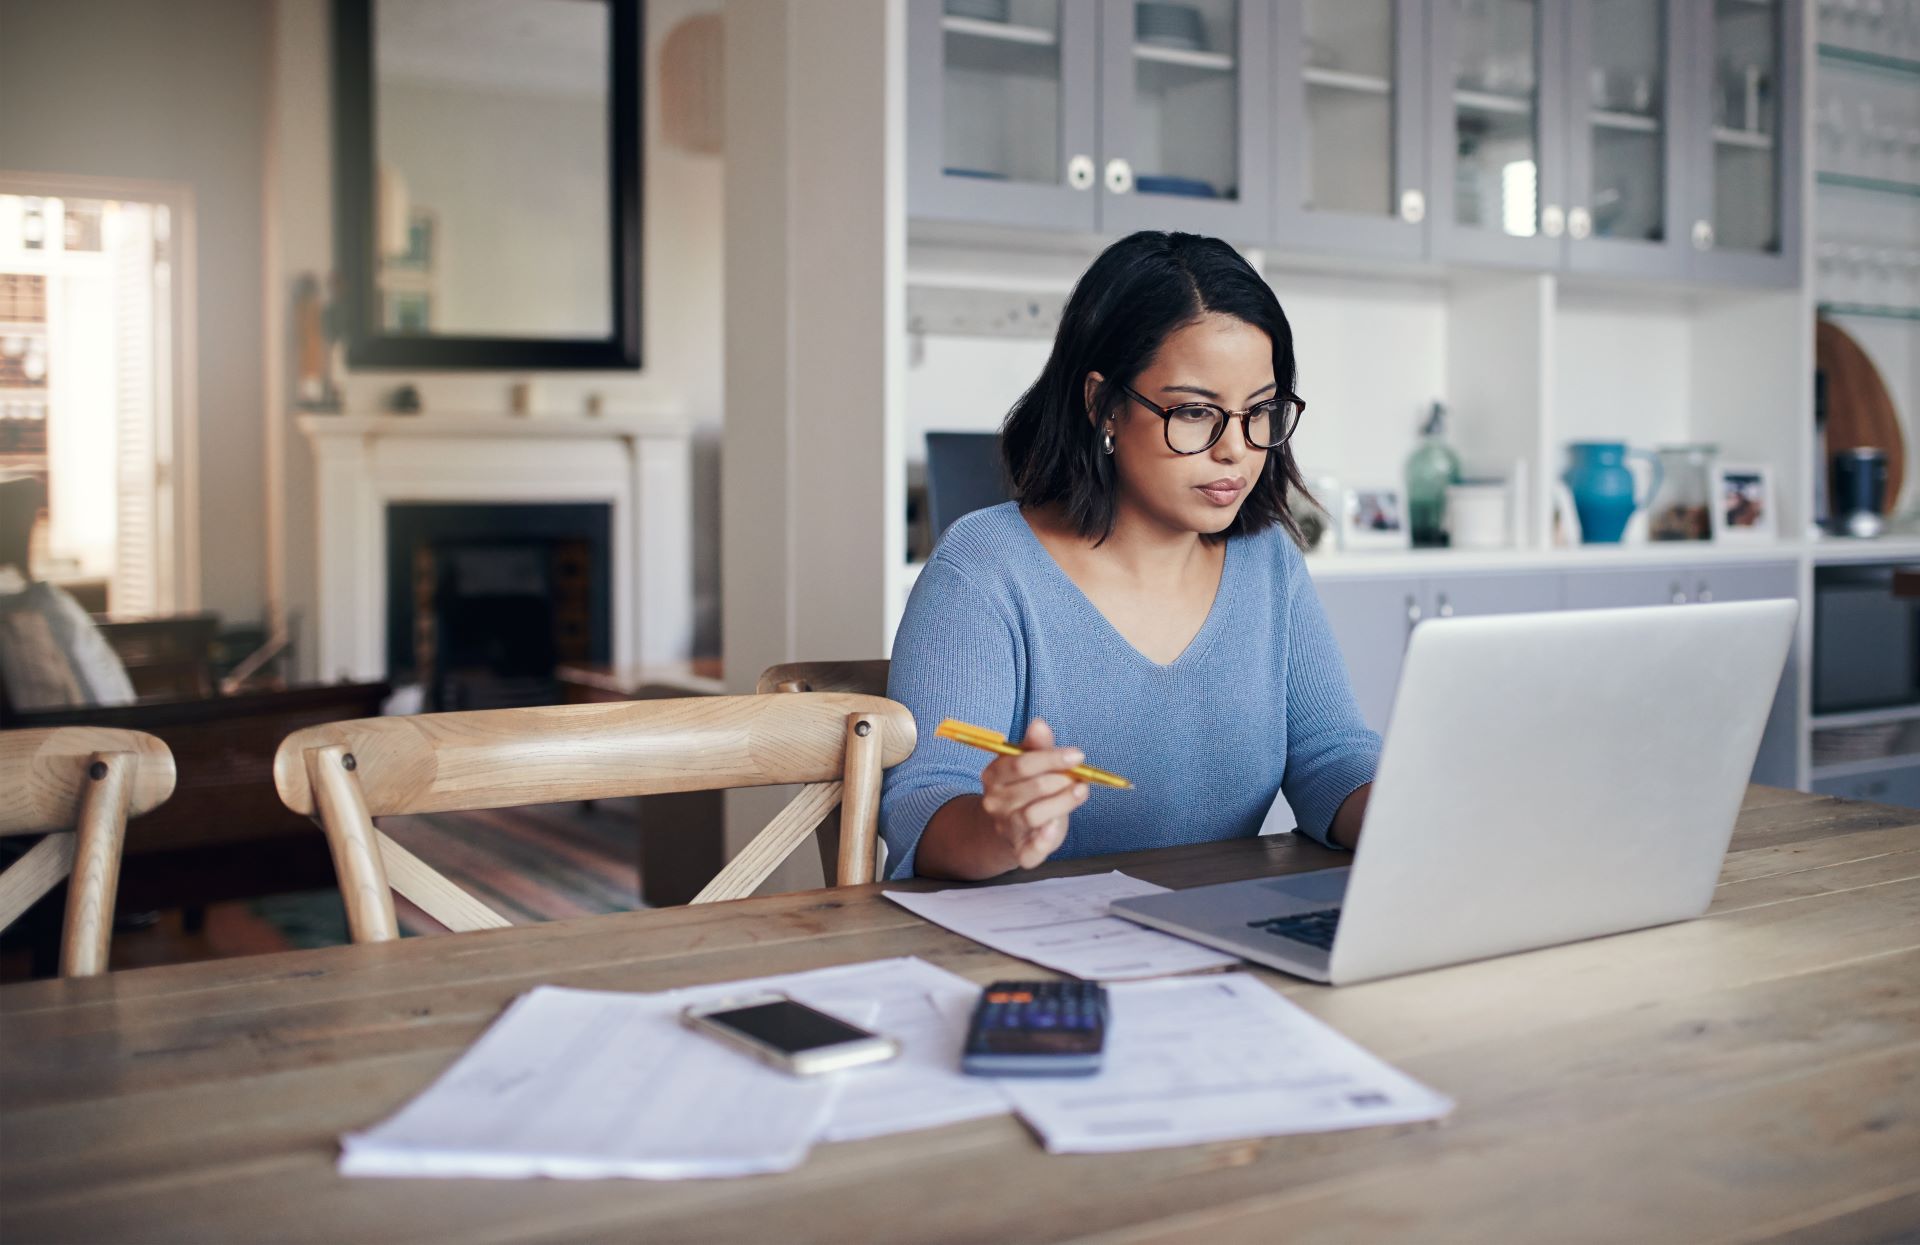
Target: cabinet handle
x: 1704, y: 593
x: 1553, y: 220
x: 1703, y: 235
x: 1579, y: 224
x: 1080, y: 172
x: 1413, y: 207
x: 1413, y: 614
x: 1679, y: 594
x: 1119, y: 176
x: 1446, y: 607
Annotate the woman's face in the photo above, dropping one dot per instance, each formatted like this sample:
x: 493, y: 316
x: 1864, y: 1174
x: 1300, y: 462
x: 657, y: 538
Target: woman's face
x: 1217, y: 359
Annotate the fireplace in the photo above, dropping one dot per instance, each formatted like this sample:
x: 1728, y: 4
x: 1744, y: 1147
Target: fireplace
x: 484, y: 601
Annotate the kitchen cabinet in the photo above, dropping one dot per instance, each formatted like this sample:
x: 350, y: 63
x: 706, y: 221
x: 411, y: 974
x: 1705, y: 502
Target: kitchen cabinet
x: 1350, y: 137
x: 1705, y: 583
x: 1650, y: 138
x: 1002, y: 115
x: 1497, y: 144
x: 1628, y: 126
x: 1080, y: 116
x: 1745, y: 164
x: 1372, y: 619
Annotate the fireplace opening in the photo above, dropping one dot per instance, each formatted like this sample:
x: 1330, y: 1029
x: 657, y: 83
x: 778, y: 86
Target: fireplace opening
x: 486, y: 601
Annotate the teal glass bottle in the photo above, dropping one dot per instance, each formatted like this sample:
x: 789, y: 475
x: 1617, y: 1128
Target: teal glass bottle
x: 1430, y: 469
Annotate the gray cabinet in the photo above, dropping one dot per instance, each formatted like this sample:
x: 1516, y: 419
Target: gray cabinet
x: 1185, y: 131
x: 1746, y: 150
x: 1628, y: 137
x: 1001, y: 115
x: 1373, y: 618
x: 1777, y: 762
x: 1350, y: 144
x: 1496, y: 110
x: 1073, y: 115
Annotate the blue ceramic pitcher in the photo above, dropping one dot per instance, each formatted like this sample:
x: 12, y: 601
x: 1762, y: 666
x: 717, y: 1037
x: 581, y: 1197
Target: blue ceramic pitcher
x: 1603, y: 488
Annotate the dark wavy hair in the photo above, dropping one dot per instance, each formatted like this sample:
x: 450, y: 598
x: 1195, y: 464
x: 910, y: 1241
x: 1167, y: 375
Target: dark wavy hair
x: 1123, y: 308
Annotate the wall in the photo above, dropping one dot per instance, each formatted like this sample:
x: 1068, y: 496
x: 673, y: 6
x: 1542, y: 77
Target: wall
x: 681, y: 309
x: 173, y: 92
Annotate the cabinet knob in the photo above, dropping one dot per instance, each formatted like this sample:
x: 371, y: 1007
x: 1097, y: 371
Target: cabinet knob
x: 1553, y: 220
x: 1446, y: 607
x: 1413, y: 206
x: 1703, y: 235
x: 1679, y: 594
x: 1413, y: 612
x: 1704, y: 593
x: 1080, y: 172
x: 1579, y: 224
x: 1119, y: 176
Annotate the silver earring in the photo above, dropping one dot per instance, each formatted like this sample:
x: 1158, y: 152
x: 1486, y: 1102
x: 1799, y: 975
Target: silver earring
x: 1106, y: 441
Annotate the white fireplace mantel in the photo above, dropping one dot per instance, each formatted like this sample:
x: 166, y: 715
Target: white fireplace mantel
x: 640, y: 465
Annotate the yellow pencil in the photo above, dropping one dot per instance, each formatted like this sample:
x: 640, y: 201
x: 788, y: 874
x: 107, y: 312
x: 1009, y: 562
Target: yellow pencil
x: 992, y: 741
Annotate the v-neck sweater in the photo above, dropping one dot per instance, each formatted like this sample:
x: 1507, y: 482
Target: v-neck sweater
x: 996, y: 634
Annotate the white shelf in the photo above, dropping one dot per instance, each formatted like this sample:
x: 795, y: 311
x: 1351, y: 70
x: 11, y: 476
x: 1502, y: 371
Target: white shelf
x: 1487, y: 101
x: 1755, y: 140
x: 1631, y: 122
x: 1185, y: 58
x: 1872, y: 765
x: 1397, y: 562
x: 1000, y: 32
x: 1341, y: 80
x: 1831, y: 550
x: 1865, y: 717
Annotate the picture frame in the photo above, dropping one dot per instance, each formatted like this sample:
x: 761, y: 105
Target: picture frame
x: 1746, y: 504
x: 1373, y: 515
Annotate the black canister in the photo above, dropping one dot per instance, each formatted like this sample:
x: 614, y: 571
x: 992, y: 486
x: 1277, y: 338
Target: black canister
x: 1859, y: 491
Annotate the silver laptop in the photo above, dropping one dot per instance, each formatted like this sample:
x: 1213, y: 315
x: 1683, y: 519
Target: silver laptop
x: 1546, y: 778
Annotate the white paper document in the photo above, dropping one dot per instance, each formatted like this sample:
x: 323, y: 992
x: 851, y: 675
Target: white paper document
x: 1063, y: 924
x: 587, y: 1083
x: 1216, y: 1058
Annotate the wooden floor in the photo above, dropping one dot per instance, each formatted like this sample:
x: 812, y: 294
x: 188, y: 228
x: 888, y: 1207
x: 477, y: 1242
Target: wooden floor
x: 545, y: 863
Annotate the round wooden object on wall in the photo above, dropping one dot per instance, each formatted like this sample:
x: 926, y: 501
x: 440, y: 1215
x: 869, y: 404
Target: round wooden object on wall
x: 1860, y: 411
x: 692, y: 99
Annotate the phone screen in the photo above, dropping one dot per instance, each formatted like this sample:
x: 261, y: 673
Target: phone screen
x: 788, y: 1026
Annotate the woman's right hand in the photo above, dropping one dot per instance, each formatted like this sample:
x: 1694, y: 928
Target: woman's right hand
x: 1028, y: 798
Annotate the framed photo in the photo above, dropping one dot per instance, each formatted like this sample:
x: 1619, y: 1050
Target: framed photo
x: 1745, y: 504
x: 1373, y: 516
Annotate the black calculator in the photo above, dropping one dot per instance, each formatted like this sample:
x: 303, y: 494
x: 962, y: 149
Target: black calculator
x: 1037, y: 1028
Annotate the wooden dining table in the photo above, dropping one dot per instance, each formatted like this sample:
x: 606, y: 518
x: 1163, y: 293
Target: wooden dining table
x: 1753, y: 1075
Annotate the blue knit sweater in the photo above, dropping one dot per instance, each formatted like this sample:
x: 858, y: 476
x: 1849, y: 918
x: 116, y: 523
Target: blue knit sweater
x: 996, y: 634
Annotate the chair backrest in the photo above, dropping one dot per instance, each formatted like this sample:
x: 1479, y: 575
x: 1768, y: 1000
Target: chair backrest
x: 838, y: 857
x: 77, y: 785
x: 863, y: 678
x: 346, y: 773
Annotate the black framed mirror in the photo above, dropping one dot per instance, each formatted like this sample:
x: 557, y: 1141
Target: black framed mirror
x: 487, y: 159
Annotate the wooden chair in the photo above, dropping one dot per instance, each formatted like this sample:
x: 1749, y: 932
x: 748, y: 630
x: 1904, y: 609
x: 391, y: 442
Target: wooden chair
x: 864, y: 678
x: 347, y: 773
x: 81, y: 784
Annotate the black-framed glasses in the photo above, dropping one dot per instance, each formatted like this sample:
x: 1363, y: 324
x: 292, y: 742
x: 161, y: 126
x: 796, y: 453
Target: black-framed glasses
x: 1193, y: 427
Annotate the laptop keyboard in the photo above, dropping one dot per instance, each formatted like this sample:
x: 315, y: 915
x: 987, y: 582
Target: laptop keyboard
x: 1316, y: 929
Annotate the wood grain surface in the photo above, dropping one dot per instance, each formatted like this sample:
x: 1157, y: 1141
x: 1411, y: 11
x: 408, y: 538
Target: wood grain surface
x: 1754, y: 1075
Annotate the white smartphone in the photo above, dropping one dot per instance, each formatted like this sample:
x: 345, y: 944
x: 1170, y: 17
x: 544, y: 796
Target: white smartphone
x: 789, y: 1035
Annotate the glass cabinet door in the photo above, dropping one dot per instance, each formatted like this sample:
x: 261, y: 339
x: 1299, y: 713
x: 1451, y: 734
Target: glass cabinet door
x: 1747, y: 96
x: 1349, y: 142
x: 1624, y: 172
x: 1002, y: 111
x: 1185, y: 116
x: 1500, y: 137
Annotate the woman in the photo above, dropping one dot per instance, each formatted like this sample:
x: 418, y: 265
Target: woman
x: 1141, y: 599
